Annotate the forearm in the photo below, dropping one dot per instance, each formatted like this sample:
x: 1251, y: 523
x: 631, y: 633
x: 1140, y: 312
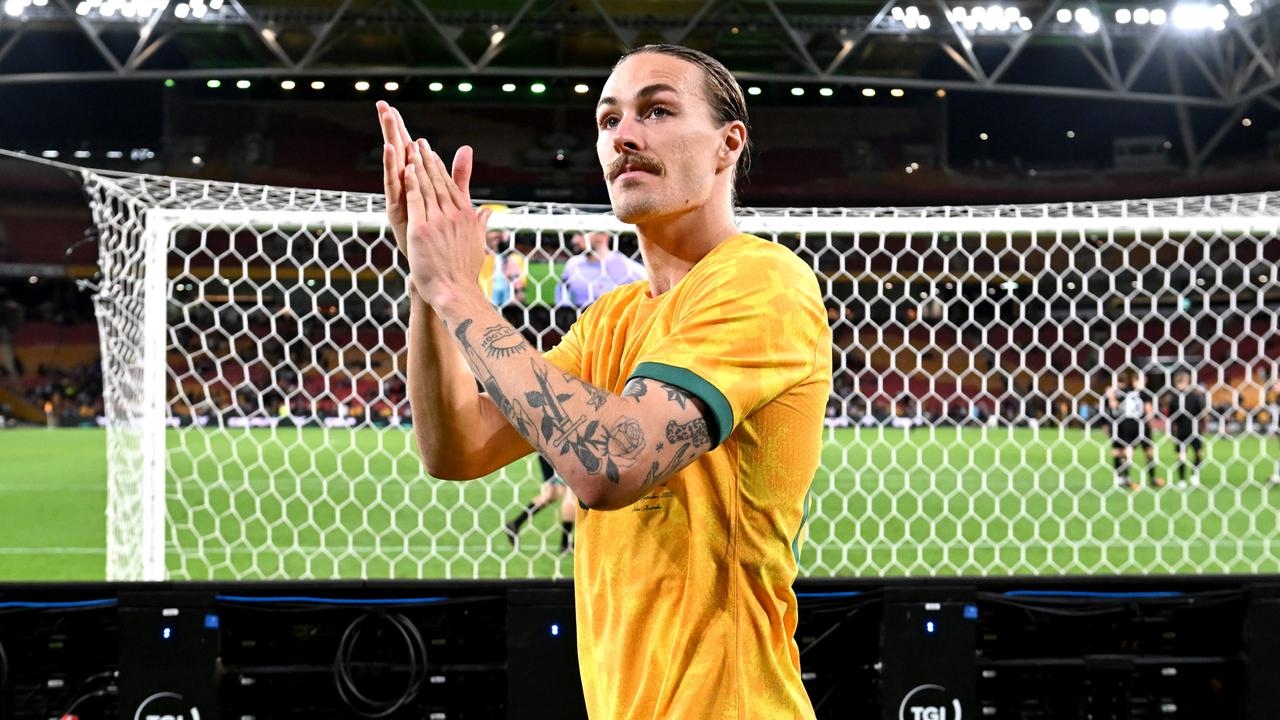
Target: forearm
x: 594, y: 439
x: 448, y: 411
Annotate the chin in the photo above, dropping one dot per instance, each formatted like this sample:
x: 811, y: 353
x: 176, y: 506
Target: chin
x: 632, y: 210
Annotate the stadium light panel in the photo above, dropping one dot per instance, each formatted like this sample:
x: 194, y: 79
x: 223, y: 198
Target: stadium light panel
x: 754, y: 90
x: 826, y: 92
x: 243, y: 84
x: 940, y: 92
x: 1024, y: 23
x: 1071, y: 134
x: 288, y: 84
x: 582, y: 88
x: 1141, y: 16
x: 465, y: 87
x: 362, y: 86
x: 82, y: 154
x: 391, y: 86
x: 496, y: 37
x: 797, y: 91
x: 1192, y: 16
x: 924, y: 22
x: 115, y: 154
x: 898, y: 13
x: 215, y: 84
x: 508, y: 87
x: 958, y: 12
x: 51, y: 154
x: 1123, y: 16
x: 983, y: 137
x: 538, y: 88
x: 897, y: 92
x: 1158, y: 16
x: 435, y: 86
x: 868, y: 92
x: 1247, y: 122
x: 182, y: 11
x: 169, y: 83
x: 198, y: 11
x: 1064, y: 15
x: 317, y: 84
x: 82, y: 9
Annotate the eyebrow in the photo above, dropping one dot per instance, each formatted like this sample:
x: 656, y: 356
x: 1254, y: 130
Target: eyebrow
x: 645, y: 92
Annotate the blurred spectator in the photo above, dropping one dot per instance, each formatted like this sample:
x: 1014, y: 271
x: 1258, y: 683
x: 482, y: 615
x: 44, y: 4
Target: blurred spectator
x: 504, y: 272
x: 595, y: 270
x: 11, y: 316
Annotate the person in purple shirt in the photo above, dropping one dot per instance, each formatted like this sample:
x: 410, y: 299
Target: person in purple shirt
x: 595, y: 270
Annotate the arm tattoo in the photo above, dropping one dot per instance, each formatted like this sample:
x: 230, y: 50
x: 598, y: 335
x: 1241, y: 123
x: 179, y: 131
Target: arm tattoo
x: 637, y: 389
x: 694, y: 431
x: 540, y: 415
x: 500, y: 341
x: 614, y: 447
x: 675, y: 394
x: 596, y: 397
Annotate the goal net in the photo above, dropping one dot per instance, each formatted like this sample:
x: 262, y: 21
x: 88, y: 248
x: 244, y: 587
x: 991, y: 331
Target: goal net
x: 258, y: 426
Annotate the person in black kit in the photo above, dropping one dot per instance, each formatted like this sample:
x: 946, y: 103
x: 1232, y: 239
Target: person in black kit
x: 1185, y: 411
x: 1131, y: 410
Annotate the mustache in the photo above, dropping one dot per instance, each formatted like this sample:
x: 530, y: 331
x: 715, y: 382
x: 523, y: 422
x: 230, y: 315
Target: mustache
x: 637, y: 162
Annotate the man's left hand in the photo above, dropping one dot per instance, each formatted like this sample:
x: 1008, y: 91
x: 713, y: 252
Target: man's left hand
x: 445, y: 234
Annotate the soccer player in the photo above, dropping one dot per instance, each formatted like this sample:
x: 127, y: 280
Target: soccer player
x: 1186, y: 412
x: 685, y: 412
x: 553, y: 491
x: 1131, y: 411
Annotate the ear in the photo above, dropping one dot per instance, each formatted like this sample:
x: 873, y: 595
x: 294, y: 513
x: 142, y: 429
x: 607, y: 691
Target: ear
x: 733, y: 144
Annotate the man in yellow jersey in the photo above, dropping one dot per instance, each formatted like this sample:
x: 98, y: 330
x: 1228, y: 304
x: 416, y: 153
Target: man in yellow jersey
x: 685, y: 412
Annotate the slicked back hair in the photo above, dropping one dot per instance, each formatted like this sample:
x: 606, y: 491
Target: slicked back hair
x: 723, y: 93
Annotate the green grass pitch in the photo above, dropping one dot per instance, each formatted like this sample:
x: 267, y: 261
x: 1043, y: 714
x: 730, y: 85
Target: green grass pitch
x: 317, y: 503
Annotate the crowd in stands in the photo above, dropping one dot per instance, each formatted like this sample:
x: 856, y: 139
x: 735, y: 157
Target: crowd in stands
x: 272, y: 357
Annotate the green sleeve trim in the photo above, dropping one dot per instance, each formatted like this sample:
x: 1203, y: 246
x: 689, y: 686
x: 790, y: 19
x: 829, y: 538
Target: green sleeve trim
x: 721, y: 411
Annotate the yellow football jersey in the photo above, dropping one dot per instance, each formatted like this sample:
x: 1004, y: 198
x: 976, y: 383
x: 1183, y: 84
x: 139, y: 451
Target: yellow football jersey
x: 685, y: 605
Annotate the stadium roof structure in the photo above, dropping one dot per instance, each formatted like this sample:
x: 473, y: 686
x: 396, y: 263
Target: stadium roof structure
x: 1187, y: 55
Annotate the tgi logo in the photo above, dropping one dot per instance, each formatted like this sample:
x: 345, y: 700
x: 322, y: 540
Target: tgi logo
x: 166, y: 706
x: 929, y: 702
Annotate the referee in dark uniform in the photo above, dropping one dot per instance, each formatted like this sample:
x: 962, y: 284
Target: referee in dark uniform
x: 1186, y: 407
x: 1131, y: 410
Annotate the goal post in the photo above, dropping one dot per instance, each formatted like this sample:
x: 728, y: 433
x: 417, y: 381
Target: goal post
x: 253, y: 346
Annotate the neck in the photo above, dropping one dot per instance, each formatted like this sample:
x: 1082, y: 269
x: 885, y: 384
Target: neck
x: 672, y: 245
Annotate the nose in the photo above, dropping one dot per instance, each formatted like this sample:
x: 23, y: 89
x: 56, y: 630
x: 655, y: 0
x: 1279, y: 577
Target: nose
x: 627, y: 136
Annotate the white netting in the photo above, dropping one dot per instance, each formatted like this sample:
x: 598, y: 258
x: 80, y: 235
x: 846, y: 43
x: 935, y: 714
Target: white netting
x: 253, y: 344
